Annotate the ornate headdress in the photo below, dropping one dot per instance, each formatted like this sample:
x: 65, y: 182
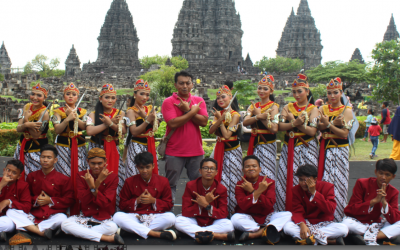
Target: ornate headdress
x: 37, y: 87
x: 71, y: 87
x: 268, y: 81
x: 96, y: 152
x: 142, y: 86
x: 335, y: 84
x: 224, y: 90
x: 108, y: 89
x: 300, y: 82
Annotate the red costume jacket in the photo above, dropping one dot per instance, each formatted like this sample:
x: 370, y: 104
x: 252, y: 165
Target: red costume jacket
x: 101, y: 207
x: 158, y: 187
x: 320, y: 209
x: 363, y: 192
x: 55, y: 185
x: 19, y: 195
x: 219, y: 206
x: 264, y: 205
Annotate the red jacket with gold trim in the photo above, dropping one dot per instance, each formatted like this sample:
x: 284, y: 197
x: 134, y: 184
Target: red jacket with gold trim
x: 363, y: 192
x: 19, y: 194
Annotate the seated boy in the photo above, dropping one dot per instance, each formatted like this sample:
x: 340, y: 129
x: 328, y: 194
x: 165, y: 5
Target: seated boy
x: 51, y: 195
x: 313, y: 211
x: 205, y: 207
x: 97, y: 192
x: 255, y: 195
x: 145, y: 201
x: 372, y: 198
x: 14, y: 194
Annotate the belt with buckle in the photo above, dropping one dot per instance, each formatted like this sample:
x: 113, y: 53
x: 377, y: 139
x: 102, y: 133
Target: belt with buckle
x: 110, y: 138
x: 28, y: 136
x: 70, y: 134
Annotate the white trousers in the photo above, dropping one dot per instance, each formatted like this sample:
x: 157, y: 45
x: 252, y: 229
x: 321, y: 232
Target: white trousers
x: 390, y: 230
x: 130, y: 223
x: 189, y: 226
x: 70, y: 226
x: 246, y: 223
x: 21, y: 220
x: 331, y: 231
x: 6, y: 224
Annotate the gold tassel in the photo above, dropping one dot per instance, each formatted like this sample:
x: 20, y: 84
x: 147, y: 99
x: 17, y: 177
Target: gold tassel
x: 228, y: 117
x: 76, y: 124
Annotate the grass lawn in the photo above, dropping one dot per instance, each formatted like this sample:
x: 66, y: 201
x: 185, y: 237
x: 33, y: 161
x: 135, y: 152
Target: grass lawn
x: 363, y: 149
x: 290, y: 99
x: 124, y: 91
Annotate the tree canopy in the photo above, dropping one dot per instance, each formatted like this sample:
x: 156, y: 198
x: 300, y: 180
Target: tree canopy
x: 386, y: 71
x: 350, y: 72
x: 162, y: 80
x: 1, y: 77
x: 179, y: 62
x: 39, y: 64
x: 245, y: 89
x: 279, y: 64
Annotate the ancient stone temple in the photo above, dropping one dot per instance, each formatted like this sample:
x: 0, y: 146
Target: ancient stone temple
x: 208, y: 34
x: 5, y: 62
x: 391, y: 32
x: 72, y: 64
x: 118, y: 43
x: 301, y: 38
x: 357, y: 56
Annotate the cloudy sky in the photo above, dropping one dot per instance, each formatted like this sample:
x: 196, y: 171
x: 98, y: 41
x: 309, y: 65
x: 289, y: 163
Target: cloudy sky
x: 50, y: 27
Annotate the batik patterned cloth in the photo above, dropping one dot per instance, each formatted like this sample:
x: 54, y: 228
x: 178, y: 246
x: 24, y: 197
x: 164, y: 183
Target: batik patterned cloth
x: 267, y: 155
x: 63, y: 164
x: 32, y: 161
x: 134, y: 149
x: 302, y: 155
x: 370, y: 236
x: 231, y: 174
x: 336, y: 171
x: 121, y: 171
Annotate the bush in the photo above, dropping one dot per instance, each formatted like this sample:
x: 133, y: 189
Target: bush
x: 162, y: 128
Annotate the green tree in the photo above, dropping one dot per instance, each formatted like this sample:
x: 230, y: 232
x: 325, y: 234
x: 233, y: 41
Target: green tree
x: 39, y: 64
x: 350, y: 72
x: 318, y: 91
x: 386, y: 71
x: 280, y: 64
x: 1, y: 77
x: 245, y: 89
x: 147, y: 61
x: 162, y: 80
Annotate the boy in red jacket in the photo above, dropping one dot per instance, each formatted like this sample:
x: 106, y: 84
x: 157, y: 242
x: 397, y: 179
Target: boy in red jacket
x: 96, y: 191
x: 205, y: 207
x: 14, y: 195
x: 145, y: 202
x: 372, y: 198
x: 51, y: 195
x: 313, y: 211
x: 255, y: 195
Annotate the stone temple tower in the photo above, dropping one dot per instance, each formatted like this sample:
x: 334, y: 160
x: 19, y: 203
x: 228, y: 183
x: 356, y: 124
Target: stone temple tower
x: 208, y: 34
x: 5, y: 62
x: 118, y: 42
x: 391, y: 32
x: 72, y: 64
x: 301, y: 38
x: 357, y: 56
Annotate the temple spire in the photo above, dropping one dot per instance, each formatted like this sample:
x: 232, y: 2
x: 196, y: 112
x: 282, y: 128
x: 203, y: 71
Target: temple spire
x: 357, y: 56
x: 303, y: 9
x: 391, y: 32
x: 5, y: 61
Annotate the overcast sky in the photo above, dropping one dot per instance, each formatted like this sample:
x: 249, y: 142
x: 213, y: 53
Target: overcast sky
x: 50, y: 27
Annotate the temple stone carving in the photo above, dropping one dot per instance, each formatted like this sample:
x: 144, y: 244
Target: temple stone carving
x: 118, y: 43
x: 209, y: 35
x: 301, y: 38
x: 357, y: 55
x: 5, y: 61
x: 391, y: 32
x: 72, y: 64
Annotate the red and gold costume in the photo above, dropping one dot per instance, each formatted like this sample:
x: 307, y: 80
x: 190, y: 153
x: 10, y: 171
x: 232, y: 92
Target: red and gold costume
x: 27, y: 145
x: 71, y: 147
x: 146, y: 138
